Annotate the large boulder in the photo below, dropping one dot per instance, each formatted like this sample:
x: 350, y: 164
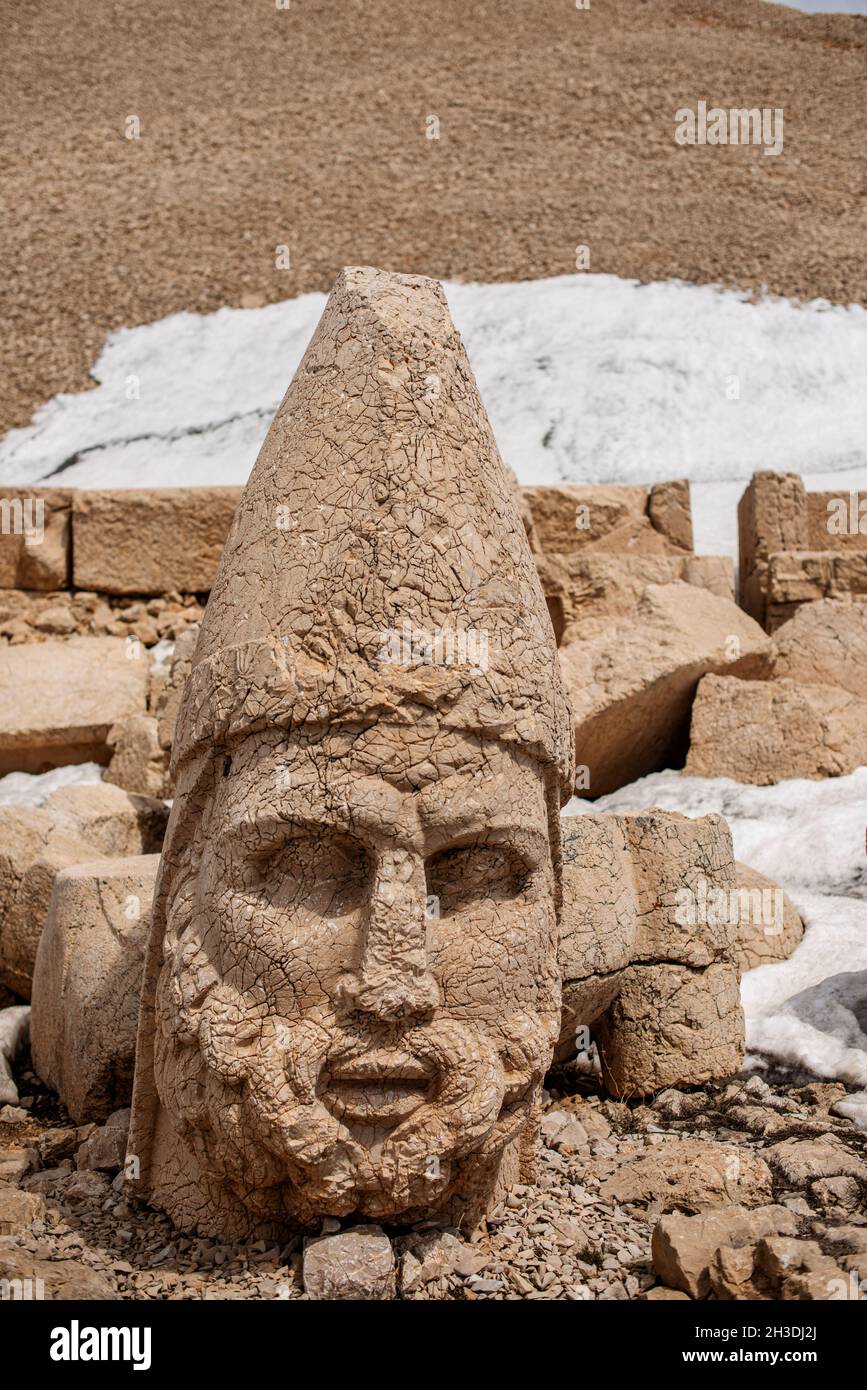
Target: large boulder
x: 825, y: 643
x: 632, y: 682
x: 59, y: 699
x: 87, y: 983
x: 768, y: 731
x: 76, y: 824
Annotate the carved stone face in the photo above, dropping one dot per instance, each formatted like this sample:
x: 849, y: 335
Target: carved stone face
x: 360, y: 985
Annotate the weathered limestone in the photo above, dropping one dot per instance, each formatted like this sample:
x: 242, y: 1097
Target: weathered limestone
x: 585, y: 590
x: 352, y: 990
x: 766, y: 731
x: 58, y: 700
x: 799, y: 577
x: 641, y: 520
x: 150, y: 541
x: 797, y: 546
x: 691, y: 1175
x: 648, y: 971
x: 769, y: 926
x: 87, y: 981
x: 683, y: 1247
x: 33, y: 850
x: 76, y: 824
x: 34, y: 538
x: 138, y: 761
x: 825, y: 643
x: 352, y: 1265
x: 632, y: 682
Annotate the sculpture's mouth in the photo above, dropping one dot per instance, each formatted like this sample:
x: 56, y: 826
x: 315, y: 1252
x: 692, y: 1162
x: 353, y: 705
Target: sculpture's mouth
x: 379, y: 1087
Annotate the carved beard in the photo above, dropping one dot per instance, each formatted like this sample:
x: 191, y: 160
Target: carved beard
x: 247, y: 1090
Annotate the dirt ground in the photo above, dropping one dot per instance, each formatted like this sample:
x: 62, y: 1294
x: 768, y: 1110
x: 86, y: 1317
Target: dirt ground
x: 306, y: 128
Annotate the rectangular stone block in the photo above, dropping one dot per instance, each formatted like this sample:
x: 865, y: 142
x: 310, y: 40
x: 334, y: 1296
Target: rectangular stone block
x: 59, y: 699
x: 150, y: 541
x: 34, y: 538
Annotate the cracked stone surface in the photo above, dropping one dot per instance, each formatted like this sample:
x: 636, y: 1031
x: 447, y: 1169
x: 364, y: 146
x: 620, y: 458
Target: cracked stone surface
x: 352, y: 990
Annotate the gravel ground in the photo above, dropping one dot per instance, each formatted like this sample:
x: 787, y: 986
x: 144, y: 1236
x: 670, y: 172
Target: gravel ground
x: 567, y: 1237
x: 305, y: 127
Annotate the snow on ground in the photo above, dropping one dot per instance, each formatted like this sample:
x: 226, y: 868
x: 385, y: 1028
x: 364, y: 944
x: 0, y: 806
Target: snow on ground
x: 587, y: 378
x: 810, y: 1010
x: 34, y: 789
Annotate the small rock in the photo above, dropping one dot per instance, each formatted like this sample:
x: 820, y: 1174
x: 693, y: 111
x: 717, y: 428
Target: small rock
x: 106, y: 1148
x: 357, y: 1264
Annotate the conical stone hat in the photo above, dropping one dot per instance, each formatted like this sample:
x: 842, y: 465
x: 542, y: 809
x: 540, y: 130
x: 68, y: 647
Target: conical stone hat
x: 377, y: 568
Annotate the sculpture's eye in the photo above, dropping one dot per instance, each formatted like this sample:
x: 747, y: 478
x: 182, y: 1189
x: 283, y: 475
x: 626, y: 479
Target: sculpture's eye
x: 460, y: 878
x: 322, y: 871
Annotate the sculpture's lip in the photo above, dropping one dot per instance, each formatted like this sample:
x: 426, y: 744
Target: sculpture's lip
x: 381, y: 1066
x: 381, y: 1086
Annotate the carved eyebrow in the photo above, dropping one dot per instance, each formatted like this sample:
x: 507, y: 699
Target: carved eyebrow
x: 531, y: 843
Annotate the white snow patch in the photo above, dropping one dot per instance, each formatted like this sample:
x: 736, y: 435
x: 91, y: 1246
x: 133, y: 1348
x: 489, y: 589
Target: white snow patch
x: 34, y: 789
x: 587, y: 378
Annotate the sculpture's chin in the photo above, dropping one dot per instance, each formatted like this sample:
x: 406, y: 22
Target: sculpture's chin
x: 310, y: 1117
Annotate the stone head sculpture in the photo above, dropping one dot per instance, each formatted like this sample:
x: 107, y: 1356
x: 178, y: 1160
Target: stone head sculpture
x: 352, y: 990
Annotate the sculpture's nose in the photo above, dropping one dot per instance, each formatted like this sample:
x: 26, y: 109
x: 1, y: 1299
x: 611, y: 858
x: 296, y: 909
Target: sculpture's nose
x: 392, y: 980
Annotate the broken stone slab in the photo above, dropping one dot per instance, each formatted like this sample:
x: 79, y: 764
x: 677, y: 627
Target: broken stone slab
x: 632, y: 685
x: 59, y: 699
x: 617, y: 518
x: 51, y: 1279
x: 14, y: 1036
x: 769, y: 926
x: 691, y: 1175
x: 151, y: 540
x: 586, y: 589
x: 798, y: 1161
x: 797, y: 546
x: 34, y: 538
x: 683, y: 1247
x: 825, y: 643
x: 352, y: 1265
x: 87, y: 982
x: 772, y: 517
x: 33, y: 851
x: 76, y: 825
x: 765, y: 732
